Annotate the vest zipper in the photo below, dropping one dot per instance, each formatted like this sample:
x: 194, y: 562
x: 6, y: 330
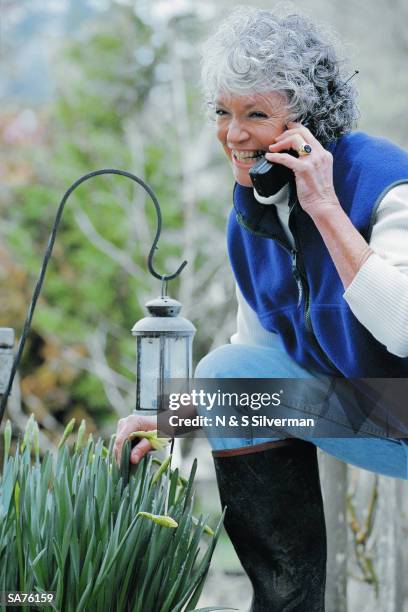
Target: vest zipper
x: 296, y: 276
x: 300, y: 277
x: 298, y: 271
x: 295, y: 270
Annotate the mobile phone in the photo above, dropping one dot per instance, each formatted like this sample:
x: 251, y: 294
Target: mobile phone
x: 269, y: 178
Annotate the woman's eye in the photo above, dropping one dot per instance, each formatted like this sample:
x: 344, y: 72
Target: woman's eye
x: 258, y: 114
x: 220, y: 112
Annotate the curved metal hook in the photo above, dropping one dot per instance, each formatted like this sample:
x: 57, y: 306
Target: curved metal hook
x: 133, y: 177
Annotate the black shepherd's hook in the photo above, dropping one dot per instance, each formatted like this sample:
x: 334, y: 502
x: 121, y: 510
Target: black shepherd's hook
x: 37, y: 290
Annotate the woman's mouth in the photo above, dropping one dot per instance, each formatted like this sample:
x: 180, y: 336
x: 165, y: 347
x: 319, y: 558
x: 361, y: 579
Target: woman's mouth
x: 246, y: 158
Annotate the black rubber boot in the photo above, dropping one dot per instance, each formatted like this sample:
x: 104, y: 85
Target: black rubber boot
x: 275, y: 521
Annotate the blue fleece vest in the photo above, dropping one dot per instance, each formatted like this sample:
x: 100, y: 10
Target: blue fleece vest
x: 323, y: 335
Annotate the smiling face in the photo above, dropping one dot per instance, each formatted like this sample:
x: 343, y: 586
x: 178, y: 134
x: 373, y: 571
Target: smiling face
x: 246, y: 126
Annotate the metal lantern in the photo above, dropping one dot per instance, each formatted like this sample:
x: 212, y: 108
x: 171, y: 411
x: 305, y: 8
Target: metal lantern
x: 164, y: 350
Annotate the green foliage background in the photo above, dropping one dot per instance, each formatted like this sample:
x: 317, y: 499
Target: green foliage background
x: 113, y: 108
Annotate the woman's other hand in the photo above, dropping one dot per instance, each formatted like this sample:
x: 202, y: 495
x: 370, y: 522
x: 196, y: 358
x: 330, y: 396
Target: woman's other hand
x: 127, y: 426
x: 313, y: 172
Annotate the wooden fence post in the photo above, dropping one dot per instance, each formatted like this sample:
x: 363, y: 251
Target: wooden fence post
x: 391, y: 541
x: 333, y: 477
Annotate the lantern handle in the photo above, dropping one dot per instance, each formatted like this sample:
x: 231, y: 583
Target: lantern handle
x: 48, y: 252
x: 163, y: 292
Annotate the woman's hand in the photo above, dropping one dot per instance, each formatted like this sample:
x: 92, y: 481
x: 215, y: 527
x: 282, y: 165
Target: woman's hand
x: 127, y: 426
x: 313, y: 172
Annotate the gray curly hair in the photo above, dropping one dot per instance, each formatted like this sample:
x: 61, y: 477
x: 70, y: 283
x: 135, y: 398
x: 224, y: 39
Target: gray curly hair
x: 256, y: 50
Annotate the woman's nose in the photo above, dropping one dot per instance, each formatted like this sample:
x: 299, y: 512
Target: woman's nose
x: 236, y: 132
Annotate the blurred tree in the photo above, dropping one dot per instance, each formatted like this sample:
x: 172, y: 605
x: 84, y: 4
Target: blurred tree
x: 125, y: 100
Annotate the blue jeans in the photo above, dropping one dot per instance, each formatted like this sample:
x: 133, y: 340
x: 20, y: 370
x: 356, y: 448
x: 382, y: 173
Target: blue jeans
x: 383, y: 455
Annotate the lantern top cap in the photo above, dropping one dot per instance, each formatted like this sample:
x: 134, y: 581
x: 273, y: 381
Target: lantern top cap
x: 164, y: 320
x: 163, y: 306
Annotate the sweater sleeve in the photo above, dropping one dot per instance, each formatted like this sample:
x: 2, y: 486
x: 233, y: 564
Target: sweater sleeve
x: 378, y: 294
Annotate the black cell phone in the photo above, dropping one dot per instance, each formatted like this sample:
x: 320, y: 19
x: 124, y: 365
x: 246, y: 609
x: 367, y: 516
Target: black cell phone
x: 268, y: 178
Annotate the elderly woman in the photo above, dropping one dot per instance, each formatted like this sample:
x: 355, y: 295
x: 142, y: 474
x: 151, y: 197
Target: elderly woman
x: 317, y: 265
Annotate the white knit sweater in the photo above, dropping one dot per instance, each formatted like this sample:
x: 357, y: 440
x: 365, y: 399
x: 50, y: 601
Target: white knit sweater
x: 378, y: 294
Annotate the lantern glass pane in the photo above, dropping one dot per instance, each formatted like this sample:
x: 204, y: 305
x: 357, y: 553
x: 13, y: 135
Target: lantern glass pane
x: 149, y: 372
x: 175, y: 353
x: 177, y: 357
